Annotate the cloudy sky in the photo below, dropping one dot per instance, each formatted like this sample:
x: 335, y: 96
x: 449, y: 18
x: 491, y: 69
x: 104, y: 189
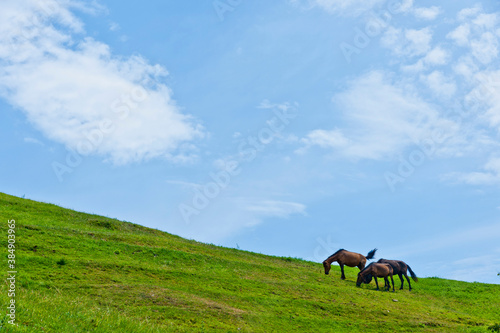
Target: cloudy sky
x: 291, y: 127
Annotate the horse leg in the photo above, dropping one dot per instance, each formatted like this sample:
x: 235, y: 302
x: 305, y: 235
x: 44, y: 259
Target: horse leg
x: 342, y: 277
x: 376, y: 282
x: 387, y: 285
x: 402, y: 281
x: 392, y: 284
x: 408, y: 279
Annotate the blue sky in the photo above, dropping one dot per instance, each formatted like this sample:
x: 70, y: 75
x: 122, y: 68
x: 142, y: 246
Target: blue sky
x: 292, y: 128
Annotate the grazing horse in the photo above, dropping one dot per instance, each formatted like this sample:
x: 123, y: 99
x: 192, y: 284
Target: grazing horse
x: 351, y: 259
x: 399, y: 267
x: 376, y: 270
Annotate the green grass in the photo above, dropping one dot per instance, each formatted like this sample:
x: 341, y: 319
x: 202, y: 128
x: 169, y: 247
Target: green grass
x: 85, y: 273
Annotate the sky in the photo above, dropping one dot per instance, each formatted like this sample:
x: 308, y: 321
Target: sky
x: 290, y: 128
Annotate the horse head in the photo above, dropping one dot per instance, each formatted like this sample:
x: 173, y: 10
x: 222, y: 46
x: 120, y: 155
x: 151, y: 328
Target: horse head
x: 359, y: 280
x: 327, y: 267
x: 363, y: 278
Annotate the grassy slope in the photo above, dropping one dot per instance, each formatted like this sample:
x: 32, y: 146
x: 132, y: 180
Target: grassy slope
x: 122, y: 277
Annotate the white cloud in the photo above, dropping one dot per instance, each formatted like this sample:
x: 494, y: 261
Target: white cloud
x: 325, y: 139
x: 486, y: 21
x: 419, y: 41
x: 184, y: 184
x: 467, y: 12
x: 391, y: 38
x: 485, y: 48
x: 76, y: 92
x: 406, y: 6
x: 465, y: 67
x: 477, y: 34
x: 408, y: 42
x: 486, y: 96
x: 358, y: 7
x: 382, y: 119
x: 489, y: 176
x: 34, y: 141
x: 273, y: 208
x: 339, y: 7
x: 437, y: 56
x: 470, y: 86
x: 461, y: 34
x: 441, y: 85
x: 113, y: 26
x: 427, y: 13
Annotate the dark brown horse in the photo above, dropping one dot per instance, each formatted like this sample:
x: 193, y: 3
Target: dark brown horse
x: 376, y: 270
x: 399, y: 267
x: 351, y: 259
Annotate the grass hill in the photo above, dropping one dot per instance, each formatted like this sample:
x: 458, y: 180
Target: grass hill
x: 78, y: 272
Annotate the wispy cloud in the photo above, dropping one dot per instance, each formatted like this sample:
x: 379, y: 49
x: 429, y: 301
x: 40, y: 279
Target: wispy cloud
x: 381, y: 118
x: 408, y: 42
x: 273, y: 208
x: 440, y: 84
x: 466, y: 247
x: 427, y: 13
x: 230, y: 215
x: 34, y: 141
x: 464, y: 238
x: 339, y: 7
x: 184, y: 184
x: 355, y: 8
x: 323, y: 138
x: 76, y: 92
x: 444, y: 85
x: 485, y: 268
x: 490, y: 175
x: 113, y: 26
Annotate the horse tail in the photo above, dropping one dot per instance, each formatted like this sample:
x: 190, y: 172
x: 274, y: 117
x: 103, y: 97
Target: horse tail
x: 371, y: 254
x: 413, y: 275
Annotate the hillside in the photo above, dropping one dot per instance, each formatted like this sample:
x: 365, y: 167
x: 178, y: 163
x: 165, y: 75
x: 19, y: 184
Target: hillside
x: 78, y: 272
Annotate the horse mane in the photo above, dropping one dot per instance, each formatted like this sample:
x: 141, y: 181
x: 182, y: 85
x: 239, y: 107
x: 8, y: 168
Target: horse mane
x: 335, y: 253
x: 364, y: 269
x: 368, y: 277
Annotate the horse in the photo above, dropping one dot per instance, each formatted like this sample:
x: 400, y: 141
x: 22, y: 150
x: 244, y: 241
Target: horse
x: 351, y: 259
x: 376, y: 270
x: 399, y: 267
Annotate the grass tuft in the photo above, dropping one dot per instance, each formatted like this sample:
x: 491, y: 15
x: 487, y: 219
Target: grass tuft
x: 61, y: 262
x: 495, y: 328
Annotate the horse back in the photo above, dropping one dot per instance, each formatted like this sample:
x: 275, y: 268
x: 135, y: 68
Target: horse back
x: 382, y: 269
x: 403, y: 266
x: 351, y: 258
x: 398, y: 266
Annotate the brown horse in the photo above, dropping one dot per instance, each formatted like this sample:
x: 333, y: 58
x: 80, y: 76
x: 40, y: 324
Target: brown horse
x: 400, y: 267
x: 351, y: 259
x: 376, y: 270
